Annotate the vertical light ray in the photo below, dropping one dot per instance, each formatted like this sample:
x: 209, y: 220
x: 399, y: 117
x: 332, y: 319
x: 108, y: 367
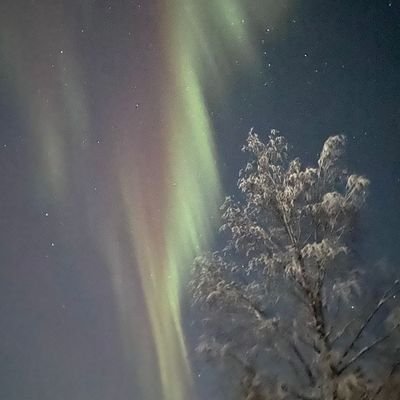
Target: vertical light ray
x: 167, y: 184
x: 172, y: 207
x: 51, y: 93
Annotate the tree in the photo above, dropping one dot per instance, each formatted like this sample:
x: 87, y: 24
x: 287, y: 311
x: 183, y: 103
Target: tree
x: 285, y: 297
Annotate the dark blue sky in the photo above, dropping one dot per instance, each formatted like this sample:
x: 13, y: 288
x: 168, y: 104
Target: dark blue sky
x: 335, y: 71
x: 330, y: 67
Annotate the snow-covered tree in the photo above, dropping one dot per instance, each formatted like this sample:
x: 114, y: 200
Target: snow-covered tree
x: 285, y: 300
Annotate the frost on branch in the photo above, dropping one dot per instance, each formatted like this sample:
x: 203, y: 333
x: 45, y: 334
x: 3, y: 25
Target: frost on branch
x: 285, y: 291
x: 332, y: 152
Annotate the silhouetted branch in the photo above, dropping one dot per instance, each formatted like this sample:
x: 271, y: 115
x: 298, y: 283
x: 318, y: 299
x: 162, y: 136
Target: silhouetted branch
x: 307, y: 368
x: 385, y: 298
x: 341, y: 332
x: 368, y: 348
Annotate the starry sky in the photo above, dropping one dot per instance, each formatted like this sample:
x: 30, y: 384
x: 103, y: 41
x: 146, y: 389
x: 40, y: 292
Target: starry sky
x: 121, y: 124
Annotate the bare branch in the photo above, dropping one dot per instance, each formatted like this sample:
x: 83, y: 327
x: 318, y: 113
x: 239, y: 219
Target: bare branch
x: 384, y: 299
x: 366, y: 349
x: 341, y: 332
x: 307, y: 368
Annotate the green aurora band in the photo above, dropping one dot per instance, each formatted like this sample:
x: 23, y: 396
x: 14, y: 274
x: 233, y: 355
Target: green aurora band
x: 169, y: 207
x: 205, y: 42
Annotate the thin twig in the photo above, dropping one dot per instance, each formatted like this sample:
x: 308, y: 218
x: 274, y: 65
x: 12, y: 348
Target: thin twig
x: 384, y: 299
x: 341, y: 332
x: 368, y: 348
x: 303, y: 361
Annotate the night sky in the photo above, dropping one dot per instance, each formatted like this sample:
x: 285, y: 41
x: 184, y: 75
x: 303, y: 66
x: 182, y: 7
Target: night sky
x: 121, y: 124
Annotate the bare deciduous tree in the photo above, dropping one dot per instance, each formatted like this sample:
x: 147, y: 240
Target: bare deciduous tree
x: 285, y: 298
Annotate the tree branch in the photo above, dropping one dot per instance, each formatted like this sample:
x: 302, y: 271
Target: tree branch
x: 384, y: 299
x: 366, y: 349
x: 259, y: 313
x: 307, y: 368
x: 341, y: 332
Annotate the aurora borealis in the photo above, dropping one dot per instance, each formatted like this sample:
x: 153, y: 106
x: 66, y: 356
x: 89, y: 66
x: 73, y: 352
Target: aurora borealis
x: 121, y: 126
